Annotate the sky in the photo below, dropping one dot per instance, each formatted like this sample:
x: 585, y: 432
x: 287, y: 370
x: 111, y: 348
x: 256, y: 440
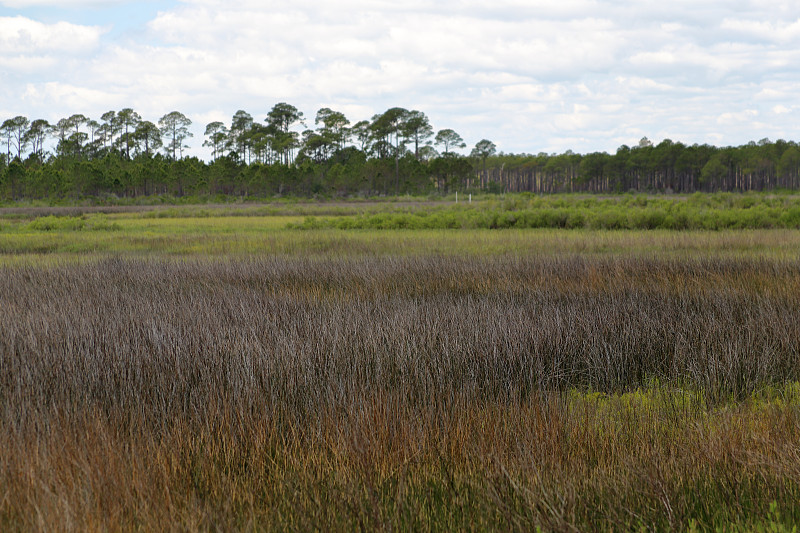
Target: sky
x: 530, y: 75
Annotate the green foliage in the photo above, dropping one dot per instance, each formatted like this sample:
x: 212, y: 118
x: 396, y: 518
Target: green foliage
x: 189, y: 230
x: 57, y: 223
x: 698, y: 212
x: 390, y: 154
x: 54, y: 223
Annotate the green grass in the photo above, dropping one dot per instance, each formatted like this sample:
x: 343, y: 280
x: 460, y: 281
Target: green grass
x: 219, y: 233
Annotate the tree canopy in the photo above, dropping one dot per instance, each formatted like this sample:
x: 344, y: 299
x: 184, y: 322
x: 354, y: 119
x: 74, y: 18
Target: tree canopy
x: 394, y: 152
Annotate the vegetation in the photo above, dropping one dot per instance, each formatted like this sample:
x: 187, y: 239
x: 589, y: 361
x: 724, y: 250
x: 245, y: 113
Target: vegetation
x: 33, y: 235
x: 396, y: 152
x: 699, y: 211
x: 182, y: 368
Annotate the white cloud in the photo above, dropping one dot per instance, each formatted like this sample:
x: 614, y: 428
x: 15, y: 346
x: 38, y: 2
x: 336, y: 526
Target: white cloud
x: 770, y: 31
x: 733, y: 118
x: 23, y: 36
x: 70, y: 98
x: 28, y: 64
x: 529, y: 74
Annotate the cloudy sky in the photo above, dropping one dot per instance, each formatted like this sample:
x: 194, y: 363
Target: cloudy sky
x: 531, y: 75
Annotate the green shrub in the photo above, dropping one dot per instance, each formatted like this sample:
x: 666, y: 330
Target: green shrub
x: 54, y: 223
x: 700, y: 211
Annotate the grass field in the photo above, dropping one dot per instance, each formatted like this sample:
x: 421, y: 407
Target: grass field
x: 200, y: 369
x: 33, y: 239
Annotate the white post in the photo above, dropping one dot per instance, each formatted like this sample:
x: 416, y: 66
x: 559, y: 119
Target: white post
x: 470, y: 197
x: 456, y: 196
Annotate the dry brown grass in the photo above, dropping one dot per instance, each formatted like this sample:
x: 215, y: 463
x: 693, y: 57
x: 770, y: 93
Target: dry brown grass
x: 399, y: 393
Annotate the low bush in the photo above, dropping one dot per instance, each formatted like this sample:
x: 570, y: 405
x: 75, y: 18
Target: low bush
x: 610, y: 216
x: 67, y: 223
x: 56, y: 223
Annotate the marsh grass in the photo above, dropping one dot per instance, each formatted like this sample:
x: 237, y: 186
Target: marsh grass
x: 115, y: 235
x: 390, y: 392
x: 275, y: 208
x: 68, y: 234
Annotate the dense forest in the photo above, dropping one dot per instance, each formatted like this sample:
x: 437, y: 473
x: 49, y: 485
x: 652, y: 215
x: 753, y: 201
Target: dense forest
x: 395, y: 152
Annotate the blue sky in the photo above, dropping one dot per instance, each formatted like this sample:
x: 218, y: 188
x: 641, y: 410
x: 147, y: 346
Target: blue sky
x: 531, y: 75
x: 123, y: 18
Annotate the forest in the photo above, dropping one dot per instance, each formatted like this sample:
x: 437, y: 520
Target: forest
x: 122, y: 155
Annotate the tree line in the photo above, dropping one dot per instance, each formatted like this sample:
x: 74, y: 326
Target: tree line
x: 395, y: 152
x: 666, y: 167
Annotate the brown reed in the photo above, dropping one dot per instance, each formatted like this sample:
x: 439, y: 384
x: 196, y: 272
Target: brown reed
x: 399, y: 393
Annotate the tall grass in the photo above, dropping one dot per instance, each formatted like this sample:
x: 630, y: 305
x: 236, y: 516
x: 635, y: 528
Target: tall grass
x: 237, y: 237
x: 400, y: 393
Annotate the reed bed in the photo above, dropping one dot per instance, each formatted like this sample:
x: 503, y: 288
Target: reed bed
x: 431, y: 393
